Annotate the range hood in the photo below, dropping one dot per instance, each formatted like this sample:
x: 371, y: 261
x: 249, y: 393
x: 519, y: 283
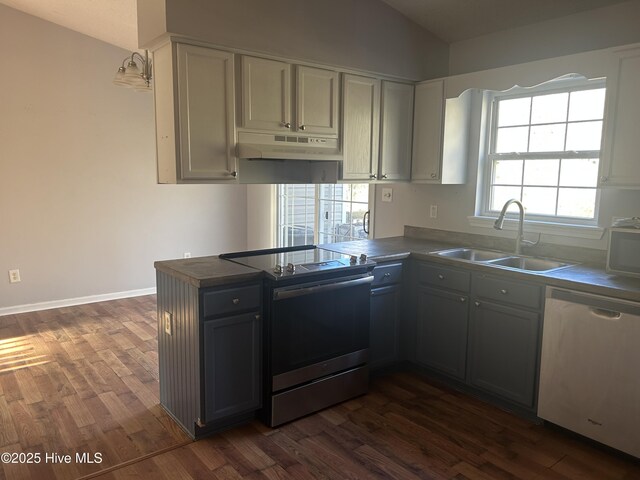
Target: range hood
x: 269, y: 158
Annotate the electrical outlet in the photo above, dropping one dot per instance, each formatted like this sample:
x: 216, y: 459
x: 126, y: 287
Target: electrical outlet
x: 387, y: 194
x: 14, y: 276
x: 187, y: 254
x: 167, y: 319
x: 433, y: 211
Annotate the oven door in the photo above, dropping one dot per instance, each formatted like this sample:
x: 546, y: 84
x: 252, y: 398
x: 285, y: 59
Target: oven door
x: 318, y: 329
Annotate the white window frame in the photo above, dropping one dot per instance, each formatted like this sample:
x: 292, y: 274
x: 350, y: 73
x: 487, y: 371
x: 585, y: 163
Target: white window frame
x: 542, y: 221
x: 316, y: 222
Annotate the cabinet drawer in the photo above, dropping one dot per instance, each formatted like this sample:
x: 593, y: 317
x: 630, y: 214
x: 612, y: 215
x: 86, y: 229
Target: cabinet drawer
x: 221, y: 302
x: 444, y: 277
x: 387, y: 274
x: 508, y: 291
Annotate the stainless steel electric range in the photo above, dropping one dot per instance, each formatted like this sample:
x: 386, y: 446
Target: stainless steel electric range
x: 316, y: 328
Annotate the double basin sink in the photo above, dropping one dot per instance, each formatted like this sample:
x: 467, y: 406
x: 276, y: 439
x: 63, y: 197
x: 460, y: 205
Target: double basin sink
x: 504, y: 260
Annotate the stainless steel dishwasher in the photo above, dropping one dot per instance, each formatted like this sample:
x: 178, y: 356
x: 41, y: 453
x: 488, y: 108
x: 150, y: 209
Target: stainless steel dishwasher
x: 590, y: 367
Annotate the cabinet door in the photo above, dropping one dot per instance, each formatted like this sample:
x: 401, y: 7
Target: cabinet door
x: 620, y: 165
x: 232, y: 377
x: 266, y: 94
x: 360, y: 127
x: 317, y: 101
x: 206, y: 113
x: 428, y: 118
x: 503, y: 351
x: 442, y: 331
x: 383, y: 332
x: 397, y: 131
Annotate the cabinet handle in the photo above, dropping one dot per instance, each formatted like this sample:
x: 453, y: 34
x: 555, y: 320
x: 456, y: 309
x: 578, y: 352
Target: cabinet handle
x: 258, y: 317
x: 504, y: 291
x: 604, y: 179
x: 373, y: 176
x: 302, y: 128
x: 433, y: 175
x: 462, y: 299
x: 477, y: 304
x: 236, y: 301
x: 286, y: 125
x: 384, y: 175
x: 234, y: 174
x: 440, y: 276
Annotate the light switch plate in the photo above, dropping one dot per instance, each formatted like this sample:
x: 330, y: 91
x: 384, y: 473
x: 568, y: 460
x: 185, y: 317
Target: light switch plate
x: 387, y: 194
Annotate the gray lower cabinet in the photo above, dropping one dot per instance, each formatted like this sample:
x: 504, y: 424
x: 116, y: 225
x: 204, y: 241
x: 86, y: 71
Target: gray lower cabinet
x: 232, y: 350
x: 384, y: 323
x: 480, y: 330
x: 442, y: 330
x: 209, y: 353
x: 386, y: 310
x: 503, y: 350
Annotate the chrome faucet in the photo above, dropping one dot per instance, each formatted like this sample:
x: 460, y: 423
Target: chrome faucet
x: 520, y: 238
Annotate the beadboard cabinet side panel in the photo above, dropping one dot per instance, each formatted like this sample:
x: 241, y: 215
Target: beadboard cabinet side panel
x: 179, y: 352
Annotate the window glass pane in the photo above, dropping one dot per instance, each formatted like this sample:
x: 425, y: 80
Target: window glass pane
x: 541, y: 172
x: 584, y: 136
x: 512, y: 139
x: 586, y: 104
x: 547, y: 138
x: 549, y: 108
x: 514, y: 112
x: 539, y: 200
x: 581, y: 172
x: 360, y: 192
x: 500, y: 195
x: 577, y: 202
x: 507, y: 172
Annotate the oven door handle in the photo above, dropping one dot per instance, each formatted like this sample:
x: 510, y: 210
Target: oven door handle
x: 298, y: 292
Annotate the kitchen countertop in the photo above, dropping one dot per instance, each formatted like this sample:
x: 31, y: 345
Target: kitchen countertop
x: 589, y: 278
x: 208, y: 271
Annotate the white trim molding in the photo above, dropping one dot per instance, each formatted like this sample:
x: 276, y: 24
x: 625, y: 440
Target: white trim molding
x: 68, y: 302
x: 548, y: 228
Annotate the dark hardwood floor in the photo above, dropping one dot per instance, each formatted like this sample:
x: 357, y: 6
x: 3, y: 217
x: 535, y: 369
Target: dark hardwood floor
x: 84, y: 379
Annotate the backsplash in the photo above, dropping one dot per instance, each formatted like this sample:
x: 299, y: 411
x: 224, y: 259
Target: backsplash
x: 563, y: 252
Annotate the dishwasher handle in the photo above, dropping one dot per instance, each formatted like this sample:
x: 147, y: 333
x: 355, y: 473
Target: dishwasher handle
x: 604, y: 313
x: 597, y: 302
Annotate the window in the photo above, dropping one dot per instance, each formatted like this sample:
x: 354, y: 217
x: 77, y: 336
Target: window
x: 545, y: 151
x: 310, y: 214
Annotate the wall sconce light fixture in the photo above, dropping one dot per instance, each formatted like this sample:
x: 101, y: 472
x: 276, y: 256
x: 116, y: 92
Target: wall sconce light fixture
x: 135, y: 75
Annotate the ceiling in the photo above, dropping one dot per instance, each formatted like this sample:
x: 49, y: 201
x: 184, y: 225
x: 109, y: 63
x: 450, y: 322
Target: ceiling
x: 115, y: 21
x: 456, y: 20
x: 112, y: 21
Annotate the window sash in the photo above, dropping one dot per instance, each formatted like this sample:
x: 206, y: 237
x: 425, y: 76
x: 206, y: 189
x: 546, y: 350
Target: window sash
x: 491, y: 156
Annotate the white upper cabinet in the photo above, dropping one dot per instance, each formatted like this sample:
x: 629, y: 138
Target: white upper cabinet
x: 195, y: 122
x: 317, y: 101
x: 267, y: 97
x: 396, y: 131
x: 440, y: 135
x: 266, y: 94
x: 360, y: 127
x: 620, y: 165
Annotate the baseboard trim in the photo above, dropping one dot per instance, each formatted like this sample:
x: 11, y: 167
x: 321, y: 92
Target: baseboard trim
x: 69, y: 302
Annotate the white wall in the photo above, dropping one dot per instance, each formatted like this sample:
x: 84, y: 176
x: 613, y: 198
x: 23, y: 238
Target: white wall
x: 361, y: 34
x: 80, y: 211
x: 590, y: 30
